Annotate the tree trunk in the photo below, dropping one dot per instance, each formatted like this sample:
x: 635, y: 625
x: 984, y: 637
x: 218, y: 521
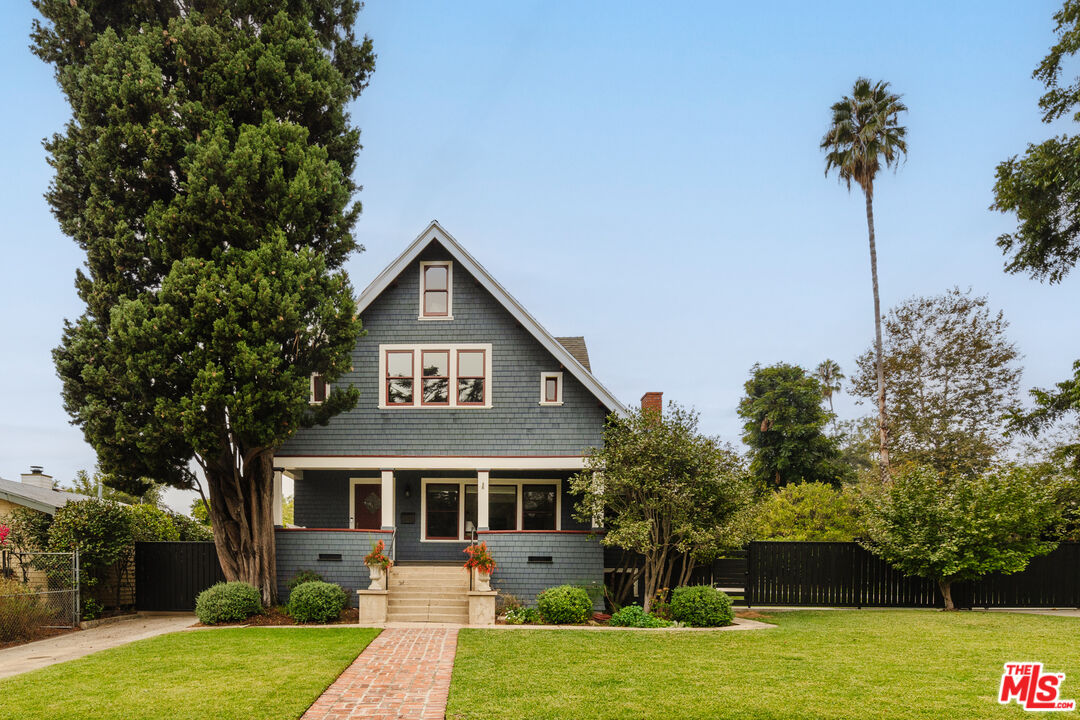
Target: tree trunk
x: 883, y: 446
x: 241, y: 510
x: 946, y: 592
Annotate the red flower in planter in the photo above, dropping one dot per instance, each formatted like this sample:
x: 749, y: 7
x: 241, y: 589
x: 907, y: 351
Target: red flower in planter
x: 377, y: 558
x: 479, y: 558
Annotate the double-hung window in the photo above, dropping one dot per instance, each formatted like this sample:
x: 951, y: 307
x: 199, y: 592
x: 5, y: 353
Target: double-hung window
x: 454, y: 375
x: 436, y: 290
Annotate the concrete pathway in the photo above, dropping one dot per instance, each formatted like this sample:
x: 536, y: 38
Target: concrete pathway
x: 404, y: 673
x: 31, y: 656
x: 1057, y: 612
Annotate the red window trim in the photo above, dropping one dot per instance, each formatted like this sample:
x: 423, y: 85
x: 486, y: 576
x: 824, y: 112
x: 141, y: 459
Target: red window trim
x: 387, y: 378
x: 435, y: 377
x: 424, y: 291
x: 459, y: 377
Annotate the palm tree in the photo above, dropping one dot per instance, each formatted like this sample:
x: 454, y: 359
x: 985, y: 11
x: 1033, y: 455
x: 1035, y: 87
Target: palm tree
x: 829, y: 375
x: 865, y: 131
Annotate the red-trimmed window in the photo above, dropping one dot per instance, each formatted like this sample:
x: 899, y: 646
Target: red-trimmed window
x: 436, y: 290
x: 471, y: 384
x: 435, y: 375
x: 399, y: 377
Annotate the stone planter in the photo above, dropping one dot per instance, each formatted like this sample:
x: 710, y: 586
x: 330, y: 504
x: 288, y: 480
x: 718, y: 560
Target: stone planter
x: 482, y: 581
x: 378, y: 577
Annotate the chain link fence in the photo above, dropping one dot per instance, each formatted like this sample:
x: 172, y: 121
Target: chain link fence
x: 38, y: 591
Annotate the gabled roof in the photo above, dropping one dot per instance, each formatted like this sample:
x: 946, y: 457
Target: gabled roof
x: 575, y: 345
x: 434, y: 232
x: 36, y: 498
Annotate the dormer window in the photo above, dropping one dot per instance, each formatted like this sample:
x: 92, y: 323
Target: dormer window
x: 320, y: 389
x: 436, y: 282
x: 551, y: 388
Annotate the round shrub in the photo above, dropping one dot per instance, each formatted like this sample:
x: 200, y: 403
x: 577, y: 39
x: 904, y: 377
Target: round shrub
x: 635, y: 616
x: 564, y: 605
x: 227, y: 602
x: 701, y: 606
x: 316, y: 601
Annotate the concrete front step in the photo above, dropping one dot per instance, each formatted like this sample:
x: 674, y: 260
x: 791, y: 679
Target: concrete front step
x: 427, y: 593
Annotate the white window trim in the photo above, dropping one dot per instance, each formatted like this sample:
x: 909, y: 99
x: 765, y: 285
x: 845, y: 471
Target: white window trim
x: 311, y: 390
x: 463, y: 482
x: 353, y: 482
x: 543, y: 389
x: 449, y: 291
x: 418, y: 351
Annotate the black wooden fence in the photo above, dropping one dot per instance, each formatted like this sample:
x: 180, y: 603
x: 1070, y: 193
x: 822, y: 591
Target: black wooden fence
x: 845, y: 574
x: 168, y: 575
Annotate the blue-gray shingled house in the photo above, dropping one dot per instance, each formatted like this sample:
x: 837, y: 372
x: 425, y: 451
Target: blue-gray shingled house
x: 471, y: 419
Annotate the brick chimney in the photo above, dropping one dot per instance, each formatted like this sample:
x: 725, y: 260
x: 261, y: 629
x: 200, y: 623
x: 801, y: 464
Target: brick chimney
x: 37, y: 478
x: 652, y: 402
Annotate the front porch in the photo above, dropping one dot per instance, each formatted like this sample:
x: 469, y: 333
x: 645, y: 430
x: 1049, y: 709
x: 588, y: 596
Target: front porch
x: 428, y: 515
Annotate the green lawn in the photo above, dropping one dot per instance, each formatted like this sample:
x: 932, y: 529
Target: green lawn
x: 250, y: 673
x: 816, y: 664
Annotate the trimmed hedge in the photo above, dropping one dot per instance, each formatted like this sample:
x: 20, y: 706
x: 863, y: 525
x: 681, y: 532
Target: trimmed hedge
x: 564, y: 605
x: 227, y: 602
x: 316, y: 601
x: 701, y: 606
x: 635, y: 616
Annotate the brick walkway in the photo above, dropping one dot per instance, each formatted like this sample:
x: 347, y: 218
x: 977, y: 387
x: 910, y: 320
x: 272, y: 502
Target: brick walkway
x: 403, y: 674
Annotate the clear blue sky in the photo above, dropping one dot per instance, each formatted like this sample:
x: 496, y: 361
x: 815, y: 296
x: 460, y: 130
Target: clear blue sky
x: 664, y: 159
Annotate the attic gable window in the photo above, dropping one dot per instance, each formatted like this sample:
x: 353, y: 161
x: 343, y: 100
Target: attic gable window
x: 432, y: 376
x: 551, y: 385
x: 320, y: 389
x: 436, y: 282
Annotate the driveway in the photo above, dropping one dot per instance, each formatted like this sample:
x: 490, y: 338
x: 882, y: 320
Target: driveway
x: 31, y: 656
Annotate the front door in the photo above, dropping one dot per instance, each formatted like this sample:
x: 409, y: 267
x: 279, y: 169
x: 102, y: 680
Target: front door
x: 367, y: 506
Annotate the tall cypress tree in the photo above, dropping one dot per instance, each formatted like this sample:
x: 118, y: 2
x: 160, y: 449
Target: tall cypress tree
x: 206, y: 170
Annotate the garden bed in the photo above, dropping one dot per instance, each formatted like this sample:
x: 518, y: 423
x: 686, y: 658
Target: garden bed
x: 276, y: 616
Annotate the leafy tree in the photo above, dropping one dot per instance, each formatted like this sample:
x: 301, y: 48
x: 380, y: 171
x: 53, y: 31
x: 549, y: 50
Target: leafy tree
x: 951, y: 375
x: 784, y: 428
x: 201, y: 512
x: 858, y: 443
x: 829, y: 374
x: 1042, y: 188
x: 207, y: 173
x: 864, y: 133
x: 962, y: 527
x: 808, y: 512
x: 191, y: 530
x: 667, y: 493
x: 83, y: 484
x: 29, y: 529
x: 101, y: 530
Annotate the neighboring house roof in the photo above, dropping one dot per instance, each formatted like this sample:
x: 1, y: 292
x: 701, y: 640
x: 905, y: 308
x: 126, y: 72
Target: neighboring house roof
x: 576, y: 347
x: 36, y: 498
x: 576, y: 363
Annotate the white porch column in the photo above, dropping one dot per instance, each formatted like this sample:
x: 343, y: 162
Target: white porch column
x: 277, y: 498
x: 482, y: 477
x: 387, y: 499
